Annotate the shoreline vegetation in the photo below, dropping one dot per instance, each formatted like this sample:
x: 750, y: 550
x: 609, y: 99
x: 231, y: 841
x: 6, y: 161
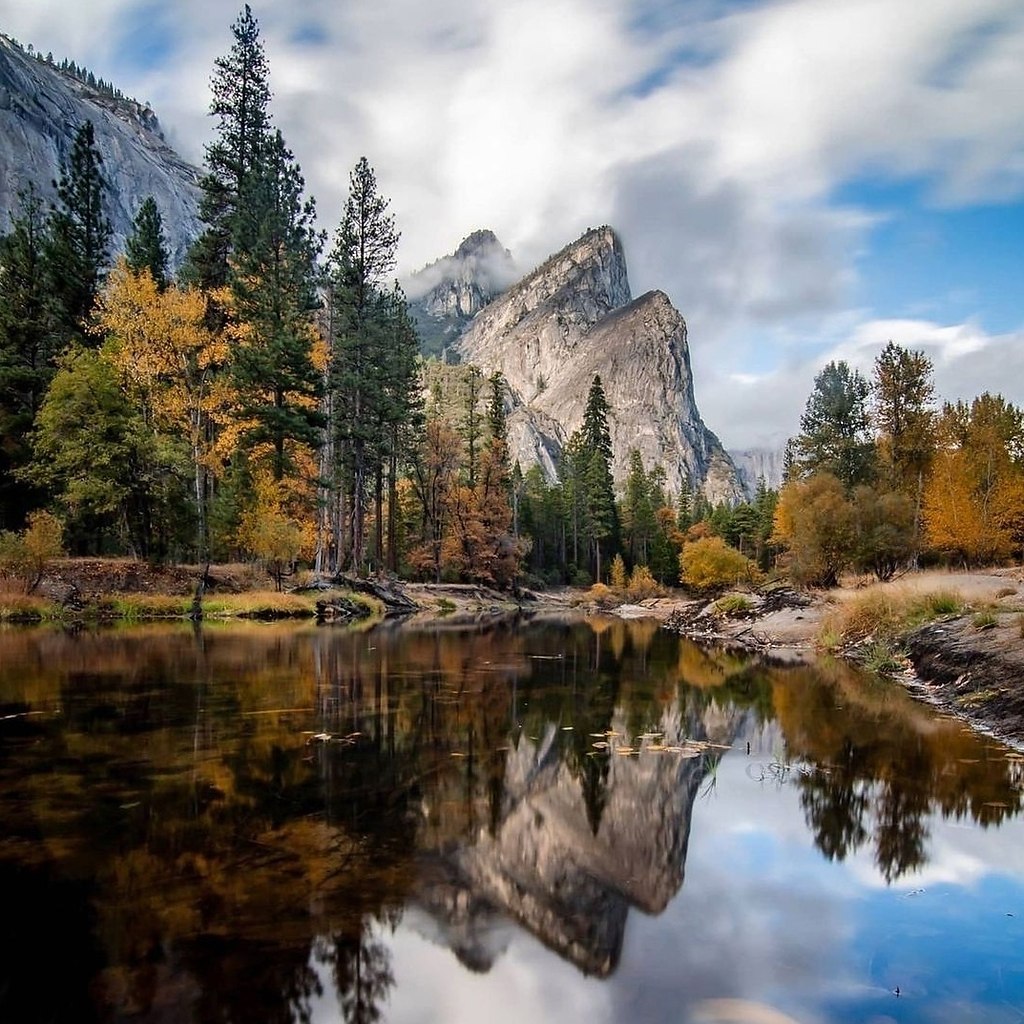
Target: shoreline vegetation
x: 955, y: 639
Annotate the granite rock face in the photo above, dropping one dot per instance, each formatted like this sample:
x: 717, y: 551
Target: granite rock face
x: 42, y: 108
x: 446, y: 294
x: 574, y: 317
x: 757, y: 464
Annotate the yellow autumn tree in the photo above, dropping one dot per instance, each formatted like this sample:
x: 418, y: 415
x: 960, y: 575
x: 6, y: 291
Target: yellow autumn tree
x: 269, y: 532
x: 973, y: 506
x: 814, y: 523
x: 170, y: 360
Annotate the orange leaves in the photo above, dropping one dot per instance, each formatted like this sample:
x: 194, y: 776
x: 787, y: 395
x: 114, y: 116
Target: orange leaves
x: 973, y: 504
x: 160, y: 344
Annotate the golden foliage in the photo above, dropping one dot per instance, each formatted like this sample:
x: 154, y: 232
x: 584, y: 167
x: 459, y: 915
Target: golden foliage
x: 709, y: 563
x: 618, y: 573
x: 642, y: 584
x: 814, y: 521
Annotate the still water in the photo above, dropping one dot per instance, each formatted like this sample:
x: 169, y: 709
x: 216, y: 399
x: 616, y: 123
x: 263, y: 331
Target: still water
x: 565, y: 820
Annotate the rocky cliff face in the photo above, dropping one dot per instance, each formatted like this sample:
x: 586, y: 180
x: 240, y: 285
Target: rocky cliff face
x: 573, y: 318
x: 41, y: 109
x: 757, y: 464
x: 445, y: 295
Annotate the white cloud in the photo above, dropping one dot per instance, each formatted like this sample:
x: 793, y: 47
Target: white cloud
x: 538, y: 118
x: 755, y: 410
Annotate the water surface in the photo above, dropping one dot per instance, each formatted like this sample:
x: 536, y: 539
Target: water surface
x: 589, y: 820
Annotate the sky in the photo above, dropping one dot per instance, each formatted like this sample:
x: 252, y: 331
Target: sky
x: 804, y: 179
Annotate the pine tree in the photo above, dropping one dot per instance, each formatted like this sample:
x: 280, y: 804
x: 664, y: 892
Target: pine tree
x: 146, y: 248
x: 834, y: 429
x: 79, y: 236
x: 600, y: 519
x: 241, y: 95
x: 902, y: 393
x: 364, y: 253
x: 274, y: 289
x: 27, y: 351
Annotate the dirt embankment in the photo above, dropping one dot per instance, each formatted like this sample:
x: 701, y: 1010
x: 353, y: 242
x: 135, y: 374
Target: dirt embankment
x: 971, y: 662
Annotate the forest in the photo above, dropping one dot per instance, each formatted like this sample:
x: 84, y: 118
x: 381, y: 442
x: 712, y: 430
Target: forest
x: 269, y: 402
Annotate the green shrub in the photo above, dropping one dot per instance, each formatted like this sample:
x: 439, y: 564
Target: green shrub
x: 733, y: 604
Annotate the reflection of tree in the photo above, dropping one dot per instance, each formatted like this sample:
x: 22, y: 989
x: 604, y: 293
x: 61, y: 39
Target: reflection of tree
x: 884, y: 765
x: 361, y: 965
x: 836, y: 806
x: 900, y: 832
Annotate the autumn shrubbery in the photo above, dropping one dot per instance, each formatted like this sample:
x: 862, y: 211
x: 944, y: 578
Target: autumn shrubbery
x: 710, y: 564
x: 24, y: 556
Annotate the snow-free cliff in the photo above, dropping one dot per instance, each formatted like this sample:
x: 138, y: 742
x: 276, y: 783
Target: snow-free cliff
x: 574, y: 317
x: 41, y: 110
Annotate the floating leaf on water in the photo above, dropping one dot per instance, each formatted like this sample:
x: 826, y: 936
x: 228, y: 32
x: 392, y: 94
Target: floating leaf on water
x: 599, y: 735
x: 656, y: 747
x: 688, y: 753
x: 457, y: 753
x: 994, y: 803
x: 674, y: 750
x: 600, y: 745
x: 969, y: 760
x: 567, y: 728
x: 625, y: 750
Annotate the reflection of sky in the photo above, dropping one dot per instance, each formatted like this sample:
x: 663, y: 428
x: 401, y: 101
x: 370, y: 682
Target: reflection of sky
x: 763, y: 917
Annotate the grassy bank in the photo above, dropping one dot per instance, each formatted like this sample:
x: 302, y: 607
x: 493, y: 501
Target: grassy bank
x: 871, y: 627
x: 264, y: 605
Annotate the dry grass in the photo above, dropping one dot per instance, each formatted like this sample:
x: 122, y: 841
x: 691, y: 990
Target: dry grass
x: 20, y: 607
x: 885, y: 614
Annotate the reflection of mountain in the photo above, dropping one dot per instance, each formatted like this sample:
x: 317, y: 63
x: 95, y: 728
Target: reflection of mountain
x: 546, y: 867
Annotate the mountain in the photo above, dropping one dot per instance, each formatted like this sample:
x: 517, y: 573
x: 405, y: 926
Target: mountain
x: 42, y: 108
x: 574, y: 317
x: 757, y: 464
x: 446, y: 294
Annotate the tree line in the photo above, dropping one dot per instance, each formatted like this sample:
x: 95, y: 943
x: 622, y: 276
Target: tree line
x: 268, y: 401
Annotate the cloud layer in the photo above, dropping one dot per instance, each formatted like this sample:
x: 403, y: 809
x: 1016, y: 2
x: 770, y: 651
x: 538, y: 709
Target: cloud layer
x: 715, y: 136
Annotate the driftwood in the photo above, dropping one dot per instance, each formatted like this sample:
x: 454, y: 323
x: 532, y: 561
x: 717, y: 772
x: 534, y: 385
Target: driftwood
x: 391, y: 595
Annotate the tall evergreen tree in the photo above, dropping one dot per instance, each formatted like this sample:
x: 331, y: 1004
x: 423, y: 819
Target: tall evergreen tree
x: 241, y: 95
x: 902, y: 394
x: 274, y: 287
x: 146, y: 248
x: 27, y: 350
x: 79, y: 236
x: 361, y: 329
x: 600, y: 521
x: 834, y: 429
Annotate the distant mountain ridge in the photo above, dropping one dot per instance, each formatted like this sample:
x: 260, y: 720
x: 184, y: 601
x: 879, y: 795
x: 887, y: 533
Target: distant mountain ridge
x: 574, y: 317
x: 42, y: 108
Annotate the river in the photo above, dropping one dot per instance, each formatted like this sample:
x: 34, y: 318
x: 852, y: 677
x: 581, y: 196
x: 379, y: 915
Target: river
x: 561, y: 820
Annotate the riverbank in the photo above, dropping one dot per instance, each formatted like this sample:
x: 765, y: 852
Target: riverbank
x: 954, y: 639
